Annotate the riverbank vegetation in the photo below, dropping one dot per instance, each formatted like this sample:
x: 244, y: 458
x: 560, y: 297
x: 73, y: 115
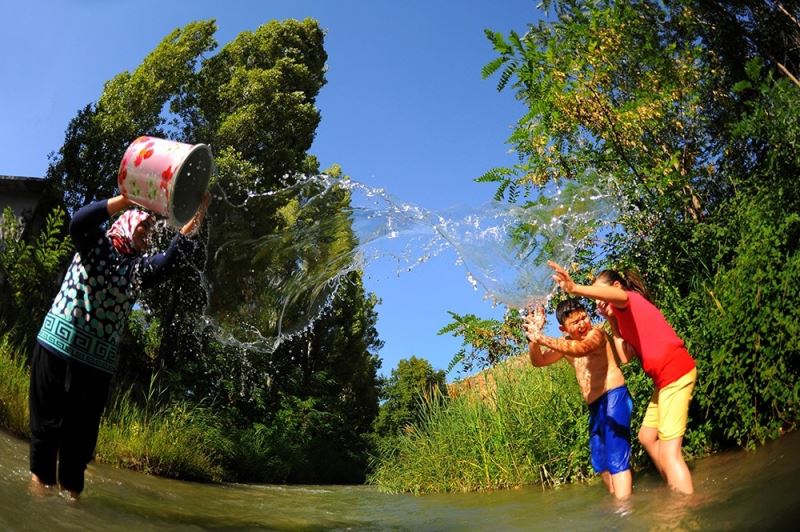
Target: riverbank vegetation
x: 529, y: 429
x: 14, y: 378
x: 685, y: 112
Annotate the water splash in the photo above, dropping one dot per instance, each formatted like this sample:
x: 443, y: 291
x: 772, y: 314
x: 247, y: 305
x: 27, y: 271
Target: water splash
x: 328, y: 227
x: 505, y: 248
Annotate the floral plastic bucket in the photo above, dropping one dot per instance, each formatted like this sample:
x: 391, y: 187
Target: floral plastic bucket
x: 165, y: 176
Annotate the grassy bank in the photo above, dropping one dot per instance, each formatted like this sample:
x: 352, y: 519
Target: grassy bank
x: 528, y: 426
x: 530, y: 430
x: 177, y: 440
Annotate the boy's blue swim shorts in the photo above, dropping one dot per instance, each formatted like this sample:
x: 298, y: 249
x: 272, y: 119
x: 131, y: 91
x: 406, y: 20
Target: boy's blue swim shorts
x: 610, y: 431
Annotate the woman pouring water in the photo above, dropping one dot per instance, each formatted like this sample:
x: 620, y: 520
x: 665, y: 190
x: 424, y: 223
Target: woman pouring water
x: 77, y: 347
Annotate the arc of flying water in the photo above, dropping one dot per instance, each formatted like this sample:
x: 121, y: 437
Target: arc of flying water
x: 502, y: 263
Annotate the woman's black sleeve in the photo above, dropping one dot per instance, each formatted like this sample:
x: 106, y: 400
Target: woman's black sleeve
x: 85, y: 226
x: 156, y: 267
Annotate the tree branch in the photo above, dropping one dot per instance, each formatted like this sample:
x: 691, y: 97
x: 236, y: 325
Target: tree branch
x: 785, y: 12
x: 787, y: 73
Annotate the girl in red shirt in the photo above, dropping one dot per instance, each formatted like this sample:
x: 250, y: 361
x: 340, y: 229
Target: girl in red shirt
x: 640, y: 329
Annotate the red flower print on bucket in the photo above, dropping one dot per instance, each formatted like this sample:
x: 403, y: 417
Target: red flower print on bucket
x: 144, y: 153
x: 123, y: 170
x: 166, y: 176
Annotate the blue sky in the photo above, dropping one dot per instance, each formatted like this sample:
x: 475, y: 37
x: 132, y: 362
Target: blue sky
x: 404, y: 108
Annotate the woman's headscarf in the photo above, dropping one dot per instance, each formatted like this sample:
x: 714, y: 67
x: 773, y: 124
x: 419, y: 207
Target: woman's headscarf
x: 121, y: 232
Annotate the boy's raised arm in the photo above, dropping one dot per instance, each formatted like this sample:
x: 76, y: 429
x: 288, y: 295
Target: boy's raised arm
x: 541, y: 358
x: 533, y: 325
x: 574, y: 348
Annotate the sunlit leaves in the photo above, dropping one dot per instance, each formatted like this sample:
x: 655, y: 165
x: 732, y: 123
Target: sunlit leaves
x: 485, y: 342
x: 132, y: 102
x: 608, y: 87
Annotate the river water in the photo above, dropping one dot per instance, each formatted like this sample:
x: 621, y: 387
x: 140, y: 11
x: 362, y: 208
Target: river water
x: 734, y: 491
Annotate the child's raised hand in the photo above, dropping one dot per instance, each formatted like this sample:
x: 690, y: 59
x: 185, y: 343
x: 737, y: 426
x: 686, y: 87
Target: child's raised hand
x: 538, y: 317
x: 562, y: 277
x: 534, y: 323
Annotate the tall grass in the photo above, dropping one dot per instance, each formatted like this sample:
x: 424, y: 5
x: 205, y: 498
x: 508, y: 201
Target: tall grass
x: 175, y: 439
x: 531, y: 429
x: 14, y: 384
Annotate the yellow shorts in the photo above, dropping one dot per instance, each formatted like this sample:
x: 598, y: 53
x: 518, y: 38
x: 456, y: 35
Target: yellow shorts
x: 669, y: 407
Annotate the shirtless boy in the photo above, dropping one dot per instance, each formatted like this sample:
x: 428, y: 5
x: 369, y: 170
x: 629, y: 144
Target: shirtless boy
x: 602, y: 384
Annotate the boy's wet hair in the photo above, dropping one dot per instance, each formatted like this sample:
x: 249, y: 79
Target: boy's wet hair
x: 567, y: 307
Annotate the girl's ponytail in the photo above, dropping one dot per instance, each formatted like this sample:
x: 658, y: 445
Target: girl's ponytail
x: 629, y: 279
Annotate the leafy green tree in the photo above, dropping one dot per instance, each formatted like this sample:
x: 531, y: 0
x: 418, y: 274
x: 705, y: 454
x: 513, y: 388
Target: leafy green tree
x: 254, y: 102
x: 85, y: 167
x: 678, y: 108
x: 741, y: 30
x: 485, y: 341
x: 413, y: 378
x: 744, y: 322
x: 610, y: 88
x: 334, y: 369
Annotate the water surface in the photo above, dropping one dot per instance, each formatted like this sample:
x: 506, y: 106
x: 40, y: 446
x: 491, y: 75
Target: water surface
x: 734, y: 491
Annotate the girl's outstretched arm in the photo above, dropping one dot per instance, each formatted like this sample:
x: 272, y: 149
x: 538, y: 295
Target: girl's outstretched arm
x: 603, y: 292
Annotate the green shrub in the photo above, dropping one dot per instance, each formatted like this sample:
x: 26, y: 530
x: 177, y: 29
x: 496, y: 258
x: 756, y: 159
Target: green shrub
x: 258, y: 457
x: 747, y: 336
x: 29, y: 273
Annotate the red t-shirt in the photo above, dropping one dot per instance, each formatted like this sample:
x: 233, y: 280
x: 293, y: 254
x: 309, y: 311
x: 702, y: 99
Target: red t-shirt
x: 663, y: 354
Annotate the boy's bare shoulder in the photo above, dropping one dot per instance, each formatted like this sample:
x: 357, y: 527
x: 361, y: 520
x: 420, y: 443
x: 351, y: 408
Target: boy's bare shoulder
x: 603, y: 333
x: 596, y: 341
x: 595, y: 334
